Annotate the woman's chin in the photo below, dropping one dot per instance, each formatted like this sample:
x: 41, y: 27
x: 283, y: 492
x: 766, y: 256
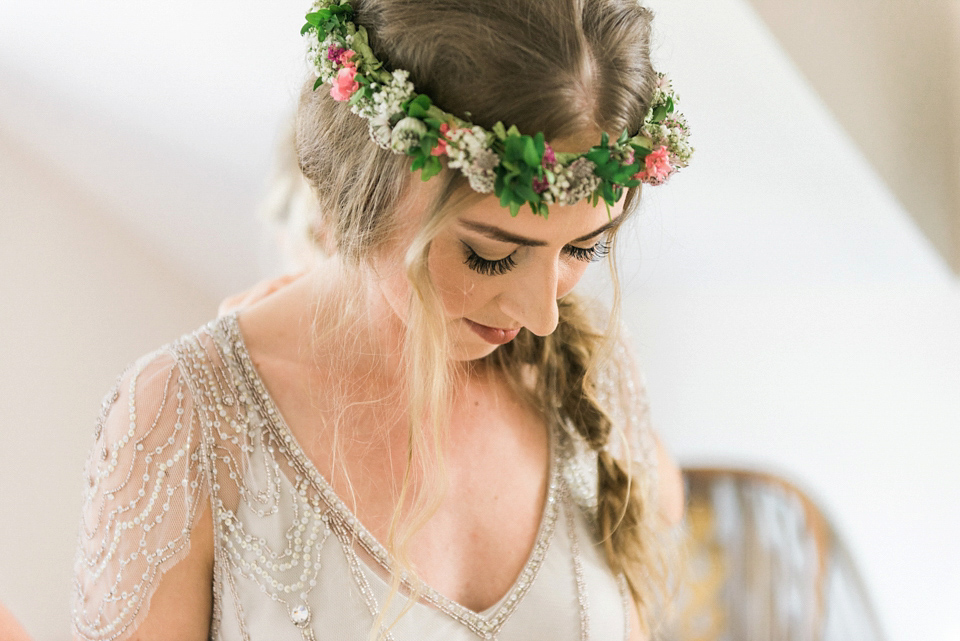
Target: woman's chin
x: 463, y: 351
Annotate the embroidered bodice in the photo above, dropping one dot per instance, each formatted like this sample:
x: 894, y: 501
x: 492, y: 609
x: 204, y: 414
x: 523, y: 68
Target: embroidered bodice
x: 191, y: 427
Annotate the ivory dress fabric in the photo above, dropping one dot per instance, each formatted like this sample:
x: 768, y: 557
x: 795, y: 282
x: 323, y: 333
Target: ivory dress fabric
x: 192, y: 425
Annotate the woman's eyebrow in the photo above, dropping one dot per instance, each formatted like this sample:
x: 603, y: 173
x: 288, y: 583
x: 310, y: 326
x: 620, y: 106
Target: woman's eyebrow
x: 504, y: 236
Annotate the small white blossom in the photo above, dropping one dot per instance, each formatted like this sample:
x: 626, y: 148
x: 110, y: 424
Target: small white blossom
x: 406, y: 134
x: 465, y: 145
x: 388, y: 99
x: 572, y: 183
x: 483, y: 182
x: 468, y: 150
x: 317, y: 55
x: 380, y: 131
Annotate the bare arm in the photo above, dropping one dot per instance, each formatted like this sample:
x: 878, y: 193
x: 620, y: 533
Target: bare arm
x: 670, y: 482
x: 144, y: 568
x: 636, y: 634
x: 10, y: 628
x: 181, y: 607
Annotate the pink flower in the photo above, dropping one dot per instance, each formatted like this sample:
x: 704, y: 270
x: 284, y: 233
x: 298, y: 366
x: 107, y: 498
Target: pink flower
x: 549, y: 158
x: 540, y: 185
x: 441, y: 148
x: 344, y: 85
x: 340, y: 56
x: 658, y: 167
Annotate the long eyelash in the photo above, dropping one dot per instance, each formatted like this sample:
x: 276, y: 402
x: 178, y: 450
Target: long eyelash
x: 589, y: 254
x: 488, y: 267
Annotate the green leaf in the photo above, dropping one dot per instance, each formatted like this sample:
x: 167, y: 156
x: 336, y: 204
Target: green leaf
x: 316, y: 18
x: 540, y: 144
x: 500, y: 131
x: 307, y: 27
x: 607, y: 189
x: 431, y: 168
x: 526, y: 192
x: 530, y: 156
x: 598, y: 156
x: 356, y: 97
x: 623, y: 137
x: 506, y: 197
x: 419, y: 106
x: 427, y: 143
x: 515, y: 208
x: 418, y: 163
x: 659, y: 113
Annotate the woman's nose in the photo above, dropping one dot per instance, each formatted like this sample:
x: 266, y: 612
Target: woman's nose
x: 531, y: 300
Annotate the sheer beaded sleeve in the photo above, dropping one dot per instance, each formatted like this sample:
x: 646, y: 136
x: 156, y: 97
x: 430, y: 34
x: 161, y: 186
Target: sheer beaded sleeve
x: 621, y: 391
x: 625, y: 391
x: 143, y: 490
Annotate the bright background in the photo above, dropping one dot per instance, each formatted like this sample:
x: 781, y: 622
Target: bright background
x: 788, y: 313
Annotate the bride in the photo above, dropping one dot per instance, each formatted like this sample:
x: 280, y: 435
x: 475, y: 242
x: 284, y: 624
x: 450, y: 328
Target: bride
x: 427, y: 435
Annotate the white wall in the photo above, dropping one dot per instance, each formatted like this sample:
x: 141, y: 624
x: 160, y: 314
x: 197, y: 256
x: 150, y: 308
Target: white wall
x: 82, y: 299
x: 788, y: 314
x: 888, y: 71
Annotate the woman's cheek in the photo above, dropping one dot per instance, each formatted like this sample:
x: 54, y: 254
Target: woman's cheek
x: 456, y: 283
x: 571, y: 271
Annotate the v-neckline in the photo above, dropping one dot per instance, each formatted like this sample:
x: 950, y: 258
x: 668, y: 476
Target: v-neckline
x: 483, y: 622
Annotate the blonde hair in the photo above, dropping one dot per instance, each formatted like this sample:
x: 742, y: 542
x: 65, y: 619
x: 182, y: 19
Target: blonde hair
x: 563, y: 67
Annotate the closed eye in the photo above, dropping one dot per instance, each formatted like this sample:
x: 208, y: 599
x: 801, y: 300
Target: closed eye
x: 487, y: 267
x: 589, y: 254
x: 500, y: 266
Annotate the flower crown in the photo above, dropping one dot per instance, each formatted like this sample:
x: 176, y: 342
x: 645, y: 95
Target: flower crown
x: 519, y: 169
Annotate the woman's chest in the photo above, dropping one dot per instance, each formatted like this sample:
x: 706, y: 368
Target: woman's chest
x: 490, y: 493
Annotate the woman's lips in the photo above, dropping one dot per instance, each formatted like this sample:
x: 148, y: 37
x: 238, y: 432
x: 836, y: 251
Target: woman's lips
x: 493, y: 335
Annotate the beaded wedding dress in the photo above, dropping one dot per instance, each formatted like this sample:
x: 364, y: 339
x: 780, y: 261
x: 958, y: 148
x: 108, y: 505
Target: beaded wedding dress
x: 191, y: 426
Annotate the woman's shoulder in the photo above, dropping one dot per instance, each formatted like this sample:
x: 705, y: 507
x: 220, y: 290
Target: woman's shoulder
x: 144, y: 486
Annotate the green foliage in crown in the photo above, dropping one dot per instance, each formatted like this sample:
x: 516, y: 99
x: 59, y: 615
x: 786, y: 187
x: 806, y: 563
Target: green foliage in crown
x: 519, y: 169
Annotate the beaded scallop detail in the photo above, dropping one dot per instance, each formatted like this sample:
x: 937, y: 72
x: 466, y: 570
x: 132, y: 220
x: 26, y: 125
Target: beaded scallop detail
x: 484, y: 626
x: 192, y: 427
x: 143, y: 488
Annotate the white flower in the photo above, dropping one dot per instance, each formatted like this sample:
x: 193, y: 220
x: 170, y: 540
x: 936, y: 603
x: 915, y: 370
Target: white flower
x: 467, y: 146
x: 380, y: 132
x: 575, y: 182
x: 388, y: 99
x: 482, y: 182
x: 406, y: 134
